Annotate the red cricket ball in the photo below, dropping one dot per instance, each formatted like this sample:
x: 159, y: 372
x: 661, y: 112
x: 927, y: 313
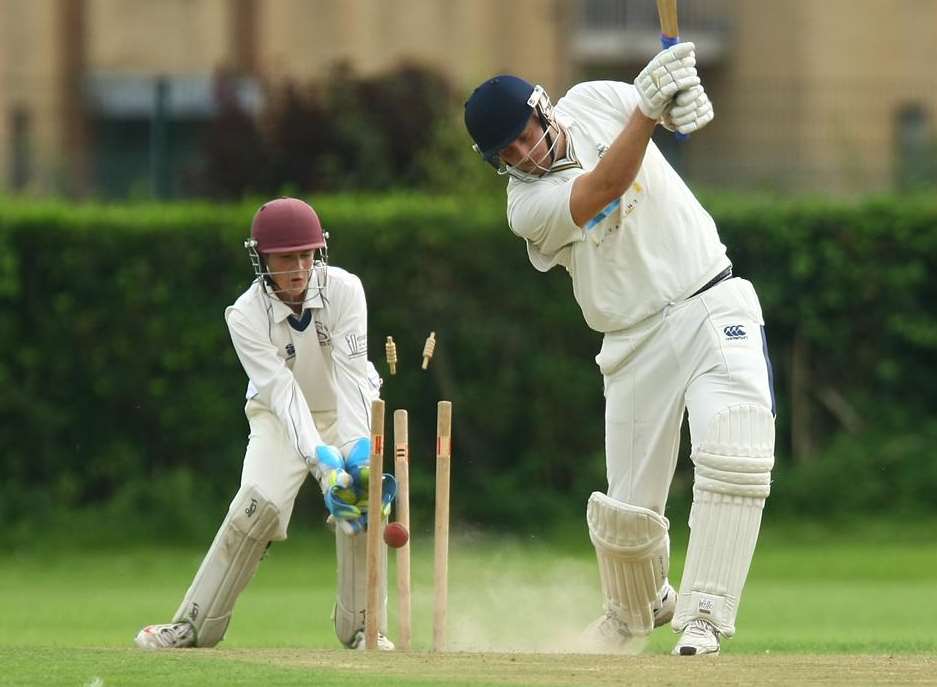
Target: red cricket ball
x: 396, y: 535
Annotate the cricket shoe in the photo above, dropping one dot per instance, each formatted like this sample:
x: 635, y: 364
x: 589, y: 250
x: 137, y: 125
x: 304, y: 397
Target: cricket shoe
x: 611, y: 635
x: 700, y: 637
x: 166, y: 636
x: 666, y: 605
x: 358, y: 642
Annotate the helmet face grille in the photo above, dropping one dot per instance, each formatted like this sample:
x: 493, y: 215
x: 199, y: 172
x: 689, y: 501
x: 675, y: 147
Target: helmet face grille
x: 318, y: 274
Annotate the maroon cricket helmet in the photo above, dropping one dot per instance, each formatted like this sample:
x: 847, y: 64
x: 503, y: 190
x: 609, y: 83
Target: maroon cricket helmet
x: 287, y: 225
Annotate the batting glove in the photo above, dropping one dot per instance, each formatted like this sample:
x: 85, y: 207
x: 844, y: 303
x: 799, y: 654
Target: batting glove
x: 669, y: 72
x: 691, y: 110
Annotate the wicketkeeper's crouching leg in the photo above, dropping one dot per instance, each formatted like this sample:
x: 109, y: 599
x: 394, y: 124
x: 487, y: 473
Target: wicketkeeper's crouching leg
x: 733, y: 478
x: 350, y: 517
x: 250, y: 525
x: 350, y: 611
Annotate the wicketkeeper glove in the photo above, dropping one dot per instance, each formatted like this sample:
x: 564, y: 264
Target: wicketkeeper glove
x: 351, y: 504
x: 690, y: 111
x: 358, y: 461
x: 359, y: 524
x: 328, y: 467
x: 669, y: 72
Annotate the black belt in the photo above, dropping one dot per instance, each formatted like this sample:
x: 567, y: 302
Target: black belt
x: 722, y: 276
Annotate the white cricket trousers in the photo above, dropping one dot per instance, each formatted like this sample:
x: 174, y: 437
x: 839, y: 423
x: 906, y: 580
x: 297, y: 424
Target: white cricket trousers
x: 700, y: 355
x: 271, y: 462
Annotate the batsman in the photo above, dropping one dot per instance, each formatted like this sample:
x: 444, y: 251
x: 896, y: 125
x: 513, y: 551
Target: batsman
x: 300, y: 332
x: 588, y: 190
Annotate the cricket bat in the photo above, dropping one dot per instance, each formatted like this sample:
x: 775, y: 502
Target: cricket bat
x: 669, y: 33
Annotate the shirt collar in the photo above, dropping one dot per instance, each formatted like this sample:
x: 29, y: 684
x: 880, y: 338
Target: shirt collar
x: 569, y: 161
x: 280, y: 310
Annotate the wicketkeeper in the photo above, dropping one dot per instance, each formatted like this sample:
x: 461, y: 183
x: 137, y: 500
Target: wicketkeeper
x: 589, y: 190
x: 300, y: 332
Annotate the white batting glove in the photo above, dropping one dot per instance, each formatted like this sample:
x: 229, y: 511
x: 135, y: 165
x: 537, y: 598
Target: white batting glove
x: 690, y: 111
x: 669, y: 72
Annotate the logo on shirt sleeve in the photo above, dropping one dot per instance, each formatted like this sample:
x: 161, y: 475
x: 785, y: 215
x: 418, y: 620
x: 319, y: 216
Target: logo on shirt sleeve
x: 357, y: 345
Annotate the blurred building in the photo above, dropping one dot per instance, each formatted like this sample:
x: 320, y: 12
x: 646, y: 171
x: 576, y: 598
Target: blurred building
x: 836, y: 96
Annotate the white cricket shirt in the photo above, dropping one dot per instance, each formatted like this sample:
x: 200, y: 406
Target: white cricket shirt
x: 314, y: 364
x: 658, y: 246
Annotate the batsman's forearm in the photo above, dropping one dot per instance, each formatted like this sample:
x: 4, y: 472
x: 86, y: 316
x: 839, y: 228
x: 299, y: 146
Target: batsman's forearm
x: 615, y: 171
x: 619, y: 166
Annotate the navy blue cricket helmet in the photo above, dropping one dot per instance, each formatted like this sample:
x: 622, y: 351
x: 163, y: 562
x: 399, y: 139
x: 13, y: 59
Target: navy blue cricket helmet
x: 497, y: 112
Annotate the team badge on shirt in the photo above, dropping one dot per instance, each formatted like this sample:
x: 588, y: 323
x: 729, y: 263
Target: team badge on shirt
x: 325, y: 337
x: 357, y: 345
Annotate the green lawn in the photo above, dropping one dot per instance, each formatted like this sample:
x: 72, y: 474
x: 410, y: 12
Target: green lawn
x: 858, y: 607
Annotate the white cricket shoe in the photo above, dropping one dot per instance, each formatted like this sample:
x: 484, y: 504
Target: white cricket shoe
x: 166, y: 636
x: 358, y: 642
x: 664, y: 611
x: 610, y: 635
x: 698, y: 638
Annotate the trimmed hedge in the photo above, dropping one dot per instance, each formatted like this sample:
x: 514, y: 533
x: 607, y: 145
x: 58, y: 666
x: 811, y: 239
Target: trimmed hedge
x: 123, y: 394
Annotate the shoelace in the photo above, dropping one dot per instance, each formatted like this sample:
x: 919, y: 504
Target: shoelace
x: 700, y: 628
x: 611, y: 626
x: 661, y: 602
x: 170, y: 636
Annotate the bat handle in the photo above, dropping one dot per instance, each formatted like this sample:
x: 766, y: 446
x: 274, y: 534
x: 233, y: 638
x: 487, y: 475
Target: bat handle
x: 668, y: 42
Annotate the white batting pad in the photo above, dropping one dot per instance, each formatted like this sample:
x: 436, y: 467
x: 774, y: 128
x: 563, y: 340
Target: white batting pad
x: 733, y: 478
x: 351, y: 599
x: 632, y: 548
x: 229, y: 565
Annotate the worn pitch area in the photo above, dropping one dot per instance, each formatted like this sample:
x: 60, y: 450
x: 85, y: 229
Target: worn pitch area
x: 582, y: 670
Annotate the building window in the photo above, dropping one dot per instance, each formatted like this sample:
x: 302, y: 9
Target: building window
x: 915, y: 165
x: 20, y: 148
x: 149, y: 130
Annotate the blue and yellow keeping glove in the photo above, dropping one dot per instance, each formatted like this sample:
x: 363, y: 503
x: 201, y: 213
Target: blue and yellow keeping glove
x: 354, y: 499
x: 329, y: 469
x: 388, y: 494
x: 358, y: 462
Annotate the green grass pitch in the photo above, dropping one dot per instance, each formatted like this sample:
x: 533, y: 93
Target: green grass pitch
x: 820, y: 607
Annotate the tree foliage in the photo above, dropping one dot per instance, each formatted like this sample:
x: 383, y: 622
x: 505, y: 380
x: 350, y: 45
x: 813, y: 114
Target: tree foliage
x: 344, y: 131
